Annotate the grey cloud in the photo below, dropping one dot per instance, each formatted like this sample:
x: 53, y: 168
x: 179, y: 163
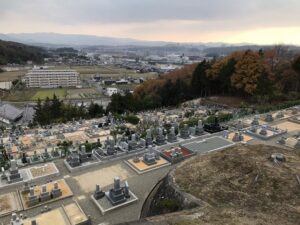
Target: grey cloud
x: 229, y: 13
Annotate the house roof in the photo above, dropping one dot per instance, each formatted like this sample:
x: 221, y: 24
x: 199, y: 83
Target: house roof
x: 10, y: 112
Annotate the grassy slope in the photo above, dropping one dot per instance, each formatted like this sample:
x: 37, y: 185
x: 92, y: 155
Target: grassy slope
x: 226, y: 181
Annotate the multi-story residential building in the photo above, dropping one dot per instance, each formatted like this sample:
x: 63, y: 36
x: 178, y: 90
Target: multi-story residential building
x: 45, y: 78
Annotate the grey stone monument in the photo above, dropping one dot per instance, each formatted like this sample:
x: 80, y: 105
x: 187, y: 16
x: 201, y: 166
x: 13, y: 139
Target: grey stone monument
x: 56, y: 191
x: 263, y: 131
x: 33, y: 199
x: 255, y: 121
x: 116, y: 195
x: 149, y: 157
x: 160, y: 138
x: 237, y: 137
x: 110, y: 146
x: 269, y: 117
x: 149, y: 140
x: 45, y: 194
x: 172, y: 136
x: 14, y: 175
x: 184, y: 132
x: 132, y: 144
x: 98, y: 194
x: 279, y: 115
x: 199, y: 128
x: 73, y: 159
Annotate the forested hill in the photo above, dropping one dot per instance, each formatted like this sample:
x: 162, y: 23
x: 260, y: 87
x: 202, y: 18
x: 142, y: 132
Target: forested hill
x: 13, y: 52
x: 264, y: 77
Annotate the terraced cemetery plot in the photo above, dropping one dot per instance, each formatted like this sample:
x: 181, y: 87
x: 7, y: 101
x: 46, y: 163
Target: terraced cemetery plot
x: 45, y: 170
x: 9, y: 203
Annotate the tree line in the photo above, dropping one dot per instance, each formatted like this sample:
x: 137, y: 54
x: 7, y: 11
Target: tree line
x: 56, y: 111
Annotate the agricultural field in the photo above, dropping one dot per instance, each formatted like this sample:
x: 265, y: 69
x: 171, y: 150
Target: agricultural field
x: 107, y: 71
x: 12, y: 75
x: 42, y: 94
x: 82, y: 93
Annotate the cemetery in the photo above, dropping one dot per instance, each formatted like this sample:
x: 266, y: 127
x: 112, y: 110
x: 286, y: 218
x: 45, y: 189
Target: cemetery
x: 117, y: 196
x: 43, y: 194
x: 9, y: 203
x: 265, y: 132
x: 151, y: 160
x: 176, y: 154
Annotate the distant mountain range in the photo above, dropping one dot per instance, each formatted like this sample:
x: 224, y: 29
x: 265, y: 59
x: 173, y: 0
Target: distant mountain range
x: 74, y: 40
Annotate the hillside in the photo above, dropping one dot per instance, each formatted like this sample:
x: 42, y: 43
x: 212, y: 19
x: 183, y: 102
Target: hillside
x: 242, y: 185
x: 13, y: 52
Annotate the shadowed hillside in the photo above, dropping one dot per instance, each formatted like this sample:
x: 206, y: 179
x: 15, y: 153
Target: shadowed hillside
x: 13, y: 52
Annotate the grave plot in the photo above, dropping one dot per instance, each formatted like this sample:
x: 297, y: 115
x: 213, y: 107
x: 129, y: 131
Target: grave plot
x: 207, y: 144
x: 265, y: 132
x: 295, y: 119
x: 291, y: 142
x: 45, y: 170
x: 87, y: 181
x: 151, y: 160
x: 289, y: 125
x: 175, y: 155
x: 43, y: 194
x: 117, y: 196
x: 13, y: 175
x: 9, y: 203
x: 239, y: 137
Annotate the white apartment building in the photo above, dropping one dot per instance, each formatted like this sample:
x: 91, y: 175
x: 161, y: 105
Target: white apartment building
x: 45, y: 78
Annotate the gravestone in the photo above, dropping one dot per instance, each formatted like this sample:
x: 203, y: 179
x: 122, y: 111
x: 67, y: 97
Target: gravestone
x: 269, y: 117
x: 73, y: 159
x: 45, y: 194
x: 33, y: 199
x: 132, y: 144
x: 279, y: 115
x: 237, y: 137
x: 199, y: 128
x: 116, y: 195
x: 14, y: 175
x: 255, y: 121
x: 172, y: 136
x: 98, y: 194
x: 56, y: 191
x: 184, y: 132
x: 160, y: 138
x: 110, y: 146
x: 149, y: 140
x: 83, y: 155
x: 263, y: 131
x: 149, y: 157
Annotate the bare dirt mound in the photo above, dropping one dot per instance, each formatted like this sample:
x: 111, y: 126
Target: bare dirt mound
x: 243, y: 185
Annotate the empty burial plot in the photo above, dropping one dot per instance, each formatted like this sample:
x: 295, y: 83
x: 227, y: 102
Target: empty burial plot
x: 290, y: 126
x: 103, y: 177
x: 9, y: 203
x: 208, y: 144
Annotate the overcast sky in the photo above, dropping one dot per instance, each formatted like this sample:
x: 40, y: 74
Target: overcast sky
x: 255, y: 21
